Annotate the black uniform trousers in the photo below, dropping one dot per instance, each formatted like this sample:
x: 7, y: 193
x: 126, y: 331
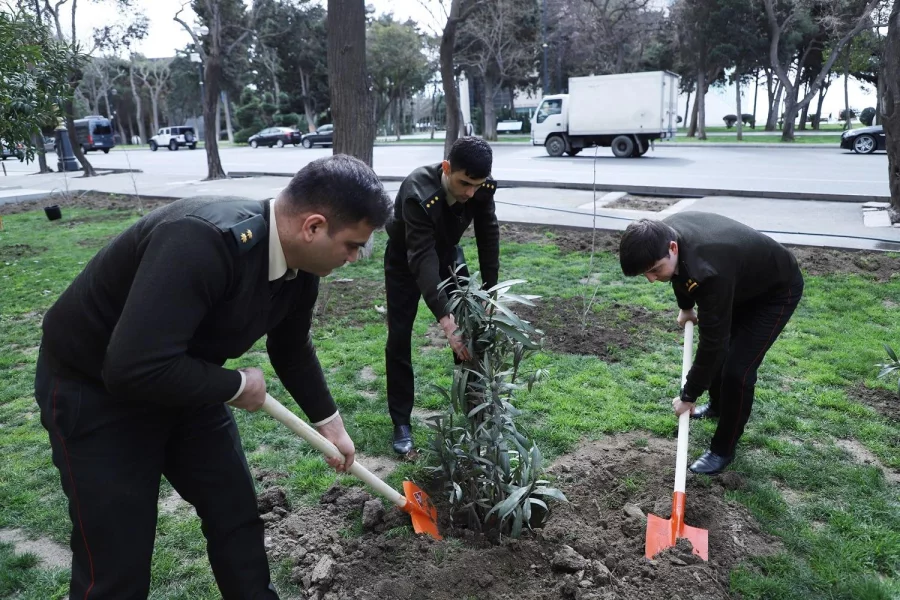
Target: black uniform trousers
x: 754, y: 328
x: 403, y: 297
x: 111, y: 455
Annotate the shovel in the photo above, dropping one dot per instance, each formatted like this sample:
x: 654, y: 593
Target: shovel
x: 415, y: 502
x: 664, y: 533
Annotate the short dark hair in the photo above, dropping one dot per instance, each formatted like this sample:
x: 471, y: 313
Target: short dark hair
x: 644, y: 242
x: 472, y: 155
x: 343, y: 188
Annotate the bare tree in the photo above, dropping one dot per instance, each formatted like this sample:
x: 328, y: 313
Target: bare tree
x: 494, y: 44
x: 269, y: 59
x: 456, y: 15
x: 890, y: 108
x: 155, y: 74
x: 832, y: 16
x: 222, y: 19
x: 136, y: 94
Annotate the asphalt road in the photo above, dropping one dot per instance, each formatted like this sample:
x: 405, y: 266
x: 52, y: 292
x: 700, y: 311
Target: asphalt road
x: 824, y: 170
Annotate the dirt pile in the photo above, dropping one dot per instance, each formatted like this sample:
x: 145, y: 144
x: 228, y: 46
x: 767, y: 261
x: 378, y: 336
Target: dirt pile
x: 591, y: 548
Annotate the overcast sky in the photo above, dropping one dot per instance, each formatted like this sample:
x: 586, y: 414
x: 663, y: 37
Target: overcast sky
x: 165, y: 35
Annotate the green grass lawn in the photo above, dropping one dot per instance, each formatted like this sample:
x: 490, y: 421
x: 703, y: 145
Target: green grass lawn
x: 763, y: 139
x: 839, y: 520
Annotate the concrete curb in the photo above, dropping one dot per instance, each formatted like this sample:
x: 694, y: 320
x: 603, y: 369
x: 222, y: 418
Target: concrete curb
x: 640, y: 190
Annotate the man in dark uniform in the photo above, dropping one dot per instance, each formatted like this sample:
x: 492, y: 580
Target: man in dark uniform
x: 130, y: 380
x: 745, y: 286
x: 432, y: 210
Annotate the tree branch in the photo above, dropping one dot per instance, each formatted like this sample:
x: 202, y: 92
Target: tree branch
x: 190, y: 31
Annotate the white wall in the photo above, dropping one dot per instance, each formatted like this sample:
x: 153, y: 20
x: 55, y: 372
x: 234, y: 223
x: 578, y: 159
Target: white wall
x: 722, y: 101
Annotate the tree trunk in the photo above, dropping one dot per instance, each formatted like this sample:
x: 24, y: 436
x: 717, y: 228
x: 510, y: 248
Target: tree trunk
x: 219, y: 117
x: 125, y: 140
x: 755, y: 98
x: 212, y: 76
x: 791, y: 108
x: 451, y: 96
x: 890, y: 74
x: 398, y: 119
x: 73, y: 139
x: 847, y: 116
x: 307, y: 103
x: 740, y: 120
x: 701, y: 101
x: 692, y: 130
x: 879, y: 100
x: 142, y: 131
x: 490, y: 115
x: 154, y: 106
x: 817, y: 118
x: 774, y: 104
x: 687, y: 109
x: 37, y: 140
x: 226, y: 106
x: 351, y: 102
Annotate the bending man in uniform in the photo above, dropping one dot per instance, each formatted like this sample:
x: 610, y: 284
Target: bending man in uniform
x: 745, y: 286
x: 432, y: 210
x: 130, y: 379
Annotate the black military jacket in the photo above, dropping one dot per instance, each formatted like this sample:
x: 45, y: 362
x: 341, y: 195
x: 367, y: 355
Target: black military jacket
x: 426, y: 229
x: 723, y: 265
x: 157, y: 312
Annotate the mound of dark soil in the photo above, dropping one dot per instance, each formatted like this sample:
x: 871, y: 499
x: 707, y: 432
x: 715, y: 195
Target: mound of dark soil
x: 590, y: 548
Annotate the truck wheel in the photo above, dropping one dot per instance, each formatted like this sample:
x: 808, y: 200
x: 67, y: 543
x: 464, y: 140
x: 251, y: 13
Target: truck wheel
x: 153, y: 146
x: 555, y: 146
x: 623, y: 146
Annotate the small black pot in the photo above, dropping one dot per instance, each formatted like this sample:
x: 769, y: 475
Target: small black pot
x: 53, y: 213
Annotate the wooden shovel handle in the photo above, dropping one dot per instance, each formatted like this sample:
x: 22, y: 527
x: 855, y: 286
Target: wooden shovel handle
x: 320, y: 443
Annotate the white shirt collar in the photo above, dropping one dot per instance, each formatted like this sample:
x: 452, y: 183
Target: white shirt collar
x: 277, y: 261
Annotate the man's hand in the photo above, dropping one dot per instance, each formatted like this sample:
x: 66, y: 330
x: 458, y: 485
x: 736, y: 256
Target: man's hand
x: 335, y: 433
x: 681, y: 407
x: 448, y: 324
x: 687, y: 315
x: 254, y: 394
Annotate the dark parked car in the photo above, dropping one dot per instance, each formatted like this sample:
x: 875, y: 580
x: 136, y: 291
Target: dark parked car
x: 865, y: 140
x: 324, y: 135
x: 275, y: 136
x: 11, y: 150
x: 95, y: 133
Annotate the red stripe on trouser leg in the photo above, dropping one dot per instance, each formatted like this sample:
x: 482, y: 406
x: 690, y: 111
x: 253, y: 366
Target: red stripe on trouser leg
x: 62, y: 443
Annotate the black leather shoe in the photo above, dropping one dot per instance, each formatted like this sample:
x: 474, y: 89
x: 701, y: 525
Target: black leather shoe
x: 711, y: 463
x: 705, y: 412
x: 402, y: 439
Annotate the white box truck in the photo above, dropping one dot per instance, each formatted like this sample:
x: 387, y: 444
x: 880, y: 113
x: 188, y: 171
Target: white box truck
x: 626, y: 112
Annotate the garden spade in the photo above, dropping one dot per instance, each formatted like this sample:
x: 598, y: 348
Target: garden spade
x: 664, y: 533
x: 415, y: 502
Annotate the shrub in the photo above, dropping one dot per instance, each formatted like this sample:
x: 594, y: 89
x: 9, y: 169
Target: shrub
x: 491, y: 471
x: 749, y: 119
x: 843, y: 114
x: 730, y: 120
x: 242, y: 135
x: 867, y: 116
x: 286, y: 119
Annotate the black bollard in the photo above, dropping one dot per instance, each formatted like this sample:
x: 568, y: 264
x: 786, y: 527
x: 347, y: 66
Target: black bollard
x: 65, y: 158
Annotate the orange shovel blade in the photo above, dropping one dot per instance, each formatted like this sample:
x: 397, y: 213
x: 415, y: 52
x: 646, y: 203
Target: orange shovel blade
x: 422, y: 511
x: 664, y: 533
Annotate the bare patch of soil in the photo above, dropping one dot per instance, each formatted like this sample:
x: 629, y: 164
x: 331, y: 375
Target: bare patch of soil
x: 864, y: 456
x: 826, y: 261
x: 92, y: 200
x: 885, y: 402
x: 343, y: 298
x: 600, y: 333
x: 591, y: 548
x: 14, y: 252
x: 813, y: 260
x: 648, y: 203
x: 51, y: 554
